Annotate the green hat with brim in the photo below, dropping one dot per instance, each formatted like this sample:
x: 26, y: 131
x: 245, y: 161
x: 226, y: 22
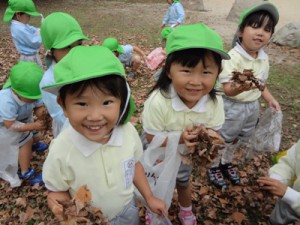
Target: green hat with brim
x: 165, y: 32
x: 25, y: 6
x: 59, y: 30
x: 266, y: 6
x: 195, y: 36
x: 24, y: 79
x: 88, y: 62
x: 113, y: 45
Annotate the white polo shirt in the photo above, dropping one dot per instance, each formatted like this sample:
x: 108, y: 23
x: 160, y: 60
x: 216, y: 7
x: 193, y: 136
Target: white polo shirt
x: 107, y: 170
x: 241, y: 60
x: 162, y: 113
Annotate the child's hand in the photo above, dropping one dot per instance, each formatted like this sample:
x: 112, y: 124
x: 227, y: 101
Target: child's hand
x: 275, y: 105
x: 189, y: 136
x: 40, y: 125
x: 274, y: 186
x: 157, y: 205
x: 53, y: 199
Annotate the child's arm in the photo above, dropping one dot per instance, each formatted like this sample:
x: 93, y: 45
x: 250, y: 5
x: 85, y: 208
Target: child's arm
x: 140, y: 181
x: 53, y: 200
x: 180, y: 14
x: 268, y: 97
x: 238, y: 89
x: 22, y: 127
x: 140, y: 52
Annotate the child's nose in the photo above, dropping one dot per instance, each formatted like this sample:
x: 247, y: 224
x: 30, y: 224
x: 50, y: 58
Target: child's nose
x: 195, y: 78
x: 95, y: 115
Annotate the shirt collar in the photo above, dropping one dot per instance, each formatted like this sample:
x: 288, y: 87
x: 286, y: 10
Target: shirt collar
x: 87, y: 147
x: 261, y: 53
x: 16, y: 98
x: 178, y: 104
x: 18, y: 22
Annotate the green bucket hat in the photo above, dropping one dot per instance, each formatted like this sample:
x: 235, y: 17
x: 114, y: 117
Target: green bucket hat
x: 195, y: 36
x: 25, y: 6
x: 266, y: 6
x: 165, y: 32
x: 87, y: 62
x: 24, y: 79
x: 113, y: 45
x: 59, y: 30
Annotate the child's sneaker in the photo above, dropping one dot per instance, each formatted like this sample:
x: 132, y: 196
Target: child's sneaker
x: 31, y: 176
x: 187, y: 217
x: 231, y: 173
x: 148, y: 217
x: 39, y: 146
x: 216, y: 177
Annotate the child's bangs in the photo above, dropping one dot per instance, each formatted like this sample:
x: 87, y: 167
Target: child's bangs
x: 257, y: 19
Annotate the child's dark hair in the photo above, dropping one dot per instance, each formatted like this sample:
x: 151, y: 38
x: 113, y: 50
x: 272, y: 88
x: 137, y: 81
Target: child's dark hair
x: 257, y: 19
x: 189, y: 58
x: 114, y: 85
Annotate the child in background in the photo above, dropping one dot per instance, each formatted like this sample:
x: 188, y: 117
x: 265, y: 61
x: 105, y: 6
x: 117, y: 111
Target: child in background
x: 26, y: 38
x: 60, y: 32
x: 255, y: 28
x: 287, y: 210
x: 18, y: 100
x: 184, y: 94
x: 126, y: 54
x: 101, y: 149
x: 163, y: 35
x: 175, y: 14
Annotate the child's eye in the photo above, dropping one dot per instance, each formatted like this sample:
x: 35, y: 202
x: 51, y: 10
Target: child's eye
x: 107, y: 102
x: 81, y: 104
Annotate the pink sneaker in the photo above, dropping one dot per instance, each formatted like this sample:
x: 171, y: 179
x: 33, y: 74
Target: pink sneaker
x: 187, y: 218
x: 148, y: 217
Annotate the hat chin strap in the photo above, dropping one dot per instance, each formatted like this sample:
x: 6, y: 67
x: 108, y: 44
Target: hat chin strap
x: 124, y: 110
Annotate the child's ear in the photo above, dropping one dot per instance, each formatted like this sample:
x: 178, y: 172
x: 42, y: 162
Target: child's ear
x: 59, y: 101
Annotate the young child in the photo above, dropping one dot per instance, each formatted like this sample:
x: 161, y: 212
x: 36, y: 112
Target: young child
x: 101, y: 149
x: 184, y: 94
x: 126, y: 54
x: 286, y: 210
x: 60, y: 32
x: 17, y: 102
x: 175, y: 14
x: 255, y: 28
x: 26, y: 38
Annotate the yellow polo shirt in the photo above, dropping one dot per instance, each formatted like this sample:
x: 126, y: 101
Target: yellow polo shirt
x: 107, y: 170
x: 239, y: 61
x: 171, y: 114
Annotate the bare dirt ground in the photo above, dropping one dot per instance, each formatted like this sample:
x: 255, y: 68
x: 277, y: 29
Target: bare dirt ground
x: 138, y: 22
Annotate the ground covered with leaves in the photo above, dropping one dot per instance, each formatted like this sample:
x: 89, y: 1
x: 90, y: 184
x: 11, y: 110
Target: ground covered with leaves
x: 243, y: 204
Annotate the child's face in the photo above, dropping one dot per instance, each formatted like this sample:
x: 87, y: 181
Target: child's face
x: 191, y: 84
x: 170, y: 2
x: 93, y: 113
x: 255, y: 38
x: 60, y: 53
x: 23, y: 18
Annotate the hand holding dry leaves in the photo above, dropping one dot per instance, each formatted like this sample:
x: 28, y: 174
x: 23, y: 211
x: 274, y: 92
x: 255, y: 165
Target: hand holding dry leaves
x: 206, y: 143
x: 78, y: 210
x: 246, y: 80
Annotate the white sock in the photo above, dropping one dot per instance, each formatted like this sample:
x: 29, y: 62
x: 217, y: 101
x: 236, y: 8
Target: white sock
x: 189, y: 208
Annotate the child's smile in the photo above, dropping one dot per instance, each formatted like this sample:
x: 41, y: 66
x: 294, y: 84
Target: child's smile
x: 93, y: 113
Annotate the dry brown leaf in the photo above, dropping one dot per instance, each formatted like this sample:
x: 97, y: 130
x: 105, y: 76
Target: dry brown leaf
x: 21, y: 202
x: 238, y: 217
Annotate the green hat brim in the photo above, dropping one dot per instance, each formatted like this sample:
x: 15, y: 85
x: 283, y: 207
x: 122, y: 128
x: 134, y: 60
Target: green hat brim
x: 120, y: 49
x: 8, y: 84
x: 70, y: 40
x: 223, y: 55
x: 54, y: 88
x: 9, y: 14
x: 262, y: 7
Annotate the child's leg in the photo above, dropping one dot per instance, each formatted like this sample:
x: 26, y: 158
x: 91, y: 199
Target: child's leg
x: 283, y: 214
x: 184, y: 189
x: 25, y: 155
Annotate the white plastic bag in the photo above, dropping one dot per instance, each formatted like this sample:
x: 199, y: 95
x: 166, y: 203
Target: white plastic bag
x: 267, y: 134
x: 161, y: 165
x: 9, y: 153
